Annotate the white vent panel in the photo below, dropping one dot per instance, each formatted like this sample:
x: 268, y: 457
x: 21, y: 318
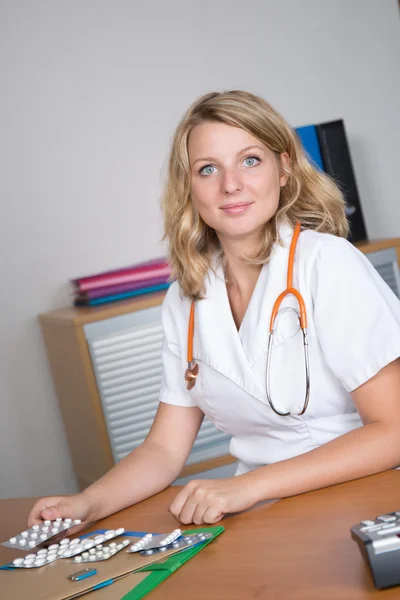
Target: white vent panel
x: 386, y: 263
x: 128, y: 368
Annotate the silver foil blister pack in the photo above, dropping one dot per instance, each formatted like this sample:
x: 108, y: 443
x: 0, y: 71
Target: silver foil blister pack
x: 69, y: 549
x: 182, y: 543
x: 151, y: 542
x: 40, y: 535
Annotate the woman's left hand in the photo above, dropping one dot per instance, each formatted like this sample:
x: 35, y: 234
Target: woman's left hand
x: 208, y: 500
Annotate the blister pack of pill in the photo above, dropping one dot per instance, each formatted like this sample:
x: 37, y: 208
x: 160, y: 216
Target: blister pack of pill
x: 40, y: 535
x: 151, y: 542
x: 101, y: 552
x: 68, y: 549
x: 182, y: 543
x: 78, y: 545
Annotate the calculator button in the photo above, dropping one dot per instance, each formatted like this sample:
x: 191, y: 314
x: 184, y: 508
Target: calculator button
x: 373, y: 528
x: 388, y: 530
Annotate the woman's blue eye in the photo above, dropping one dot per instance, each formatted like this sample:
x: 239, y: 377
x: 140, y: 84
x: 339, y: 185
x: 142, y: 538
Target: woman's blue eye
x: 251, y: 161
x: 207, y: 170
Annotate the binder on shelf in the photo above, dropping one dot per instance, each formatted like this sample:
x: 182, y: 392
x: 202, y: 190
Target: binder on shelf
x: 337, y: 163
x: 122, y: 296
x: 120, y: 288
x: 309, y: 139
x: 143, y: 271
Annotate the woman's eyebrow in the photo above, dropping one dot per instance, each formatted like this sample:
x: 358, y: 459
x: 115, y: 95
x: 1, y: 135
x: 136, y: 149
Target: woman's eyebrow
x: 211, y: 158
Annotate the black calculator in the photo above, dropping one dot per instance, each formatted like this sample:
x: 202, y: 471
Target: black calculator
x: 379, y: 542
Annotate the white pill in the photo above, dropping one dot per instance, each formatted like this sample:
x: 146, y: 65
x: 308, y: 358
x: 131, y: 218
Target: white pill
x: 64, y: 542
x: 24, y: 533
x: 41, y: 552
x: 74, y: 541
x: 98, y: 539
x: 99, y: 553
x: 32, y: 543
x: 29, y: 561
x: 78, y: 559
x: 92, y: 557
x: 67, y: 521
x: 92, y: 551
x: 58, y: 520
x: 29, y: 556
x: 43, y: 536
x: 22, y: 542
x: 18, y: 561
x: 77, y: 521
x: 66, y: 553
x: 119, y: 546
x: 119, y: 531
x: 39, y: 562
x: 126, y: 543
x: 136, y: 546
x: 51, y: 558
x: 77, y: 548
x: 55, y: 529
x: 88, y: 544
x: 45, y: 528
x: 85, y: 554
x: 35, y: 527
x: 47, y: 522
x: 113, y: 544
x: 34, y: 535
x: 54, y: 547
x: 108, y: 536
x: 12, y: 540
x: 110, y: 532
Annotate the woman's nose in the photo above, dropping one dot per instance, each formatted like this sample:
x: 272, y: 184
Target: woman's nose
x: 231, y: 181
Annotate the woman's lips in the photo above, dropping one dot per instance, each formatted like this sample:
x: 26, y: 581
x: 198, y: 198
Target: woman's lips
x: 236, y: 208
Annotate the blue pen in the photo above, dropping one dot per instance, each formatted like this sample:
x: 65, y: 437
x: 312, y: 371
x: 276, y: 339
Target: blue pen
x: 104, y: 584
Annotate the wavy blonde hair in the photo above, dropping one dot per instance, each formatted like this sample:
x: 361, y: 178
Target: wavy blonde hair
x: 309, y: 196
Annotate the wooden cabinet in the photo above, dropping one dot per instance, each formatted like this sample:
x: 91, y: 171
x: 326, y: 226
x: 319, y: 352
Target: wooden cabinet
x: 106, y: 366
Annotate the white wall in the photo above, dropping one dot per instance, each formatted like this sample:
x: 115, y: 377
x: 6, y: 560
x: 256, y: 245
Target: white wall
x: 90, y: 93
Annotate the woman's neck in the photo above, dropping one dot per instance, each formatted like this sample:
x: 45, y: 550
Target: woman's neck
x: 241, y: 277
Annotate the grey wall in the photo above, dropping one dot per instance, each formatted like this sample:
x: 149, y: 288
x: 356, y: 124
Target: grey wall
x: 91, y: 91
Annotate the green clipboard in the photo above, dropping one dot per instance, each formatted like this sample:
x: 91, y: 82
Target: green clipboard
x: 160, y: 571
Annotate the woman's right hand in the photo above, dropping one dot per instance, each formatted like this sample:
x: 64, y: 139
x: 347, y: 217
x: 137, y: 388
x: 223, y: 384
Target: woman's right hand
x: 77, y: 506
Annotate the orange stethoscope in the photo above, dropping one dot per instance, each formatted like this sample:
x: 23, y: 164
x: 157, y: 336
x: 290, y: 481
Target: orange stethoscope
x: 192, y: 370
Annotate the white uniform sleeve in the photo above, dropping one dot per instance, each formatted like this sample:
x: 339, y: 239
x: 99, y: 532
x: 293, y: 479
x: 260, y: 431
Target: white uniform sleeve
x: 356, y: 314
x: 173, y: 384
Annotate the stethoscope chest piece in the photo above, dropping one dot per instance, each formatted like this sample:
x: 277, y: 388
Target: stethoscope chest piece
x: 191, y: 374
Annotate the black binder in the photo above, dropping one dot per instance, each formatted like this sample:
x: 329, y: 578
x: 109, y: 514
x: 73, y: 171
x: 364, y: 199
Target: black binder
x: 337, y: 163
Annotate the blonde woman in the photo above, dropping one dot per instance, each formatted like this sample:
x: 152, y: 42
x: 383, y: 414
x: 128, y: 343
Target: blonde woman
x: 314, y: 404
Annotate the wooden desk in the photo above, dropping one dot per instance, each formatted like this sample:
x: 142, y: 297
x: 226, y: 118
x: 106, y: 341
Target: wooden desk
x: 270, y: 551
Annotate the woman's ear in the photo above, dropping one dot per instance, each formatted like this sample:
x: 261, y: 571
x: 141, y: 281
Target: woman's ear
x: 284, y: 168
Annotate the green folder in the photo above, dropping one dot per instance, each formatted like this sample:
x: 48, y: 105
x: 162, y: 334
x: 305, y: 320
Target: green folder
x: 162, y: 570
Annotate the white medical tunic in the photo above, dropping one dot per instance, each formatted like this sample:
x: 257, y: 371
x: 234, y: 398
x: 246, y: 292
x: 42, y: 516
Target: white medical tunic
x: 353, y: 331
